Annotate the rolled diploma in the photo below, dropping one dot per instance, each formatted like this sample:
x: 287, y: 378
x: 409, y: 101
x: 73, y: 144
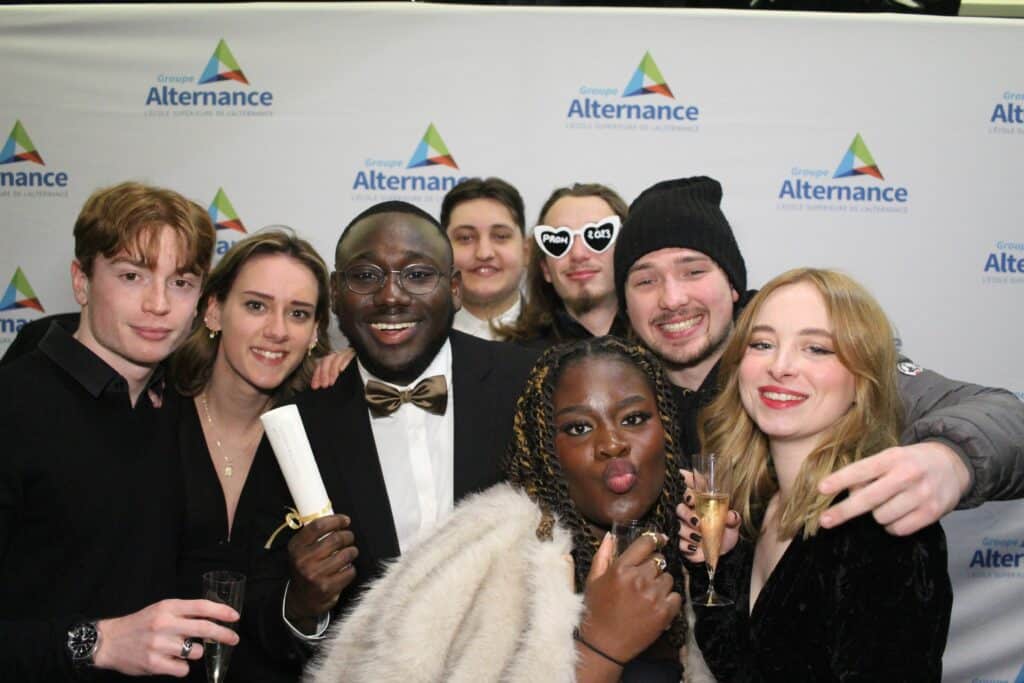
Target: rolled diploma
x: 295, y: 457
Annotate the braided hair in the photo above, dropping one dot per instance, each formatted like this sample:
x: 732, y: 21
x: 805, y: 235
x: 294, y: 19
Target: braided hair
x: 532, y: 465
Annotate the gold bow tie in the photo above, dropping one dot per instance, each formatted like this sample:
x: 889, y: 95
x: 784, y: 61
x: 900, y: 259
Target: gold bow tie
x: 431, y: 394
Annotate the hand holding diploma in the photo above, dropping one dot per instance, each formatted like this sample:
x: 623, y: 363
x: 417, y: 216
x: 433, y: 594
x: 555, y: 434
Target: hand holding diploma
x: 322, y: 552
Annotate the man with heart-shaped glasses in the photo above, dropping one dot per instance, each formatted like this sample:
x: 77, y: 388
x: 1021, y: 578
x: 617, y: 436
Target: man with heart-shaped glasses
x: 570, y: 281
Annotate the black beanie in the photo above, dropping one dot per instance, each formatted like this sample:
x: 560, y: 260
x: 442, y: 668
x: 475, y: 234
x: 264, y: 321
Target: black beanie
x: 683, y: 213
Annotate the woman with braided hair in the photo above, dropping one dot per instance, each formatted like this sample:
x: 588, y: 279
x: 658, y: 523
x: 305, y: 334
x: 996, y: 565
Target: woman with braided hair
x: 521, y: 583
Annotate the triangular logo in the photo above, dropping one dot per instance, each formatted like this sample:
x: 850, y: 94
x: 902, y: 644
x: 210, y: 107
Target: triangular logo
x: 223, y: 214
x: 222, y: 66
x: 858, y: 161
x: 19, y: 294
x: 647, y: 80
x: 431, y: 151
x: 19, y: 147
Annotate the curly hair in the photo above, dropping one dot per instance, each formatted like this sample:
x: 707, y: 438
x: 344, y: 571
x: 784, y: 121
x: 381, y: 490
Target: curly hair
x: 532, y: 465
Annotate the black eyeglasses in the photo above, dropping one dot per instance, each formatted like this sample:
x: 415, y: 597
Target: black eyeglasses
x: 369, y: 279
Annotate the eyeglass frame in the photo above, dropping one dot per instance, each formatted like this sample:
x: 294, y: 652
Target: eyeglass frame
x: 614, y: 220
x: 386, y: 273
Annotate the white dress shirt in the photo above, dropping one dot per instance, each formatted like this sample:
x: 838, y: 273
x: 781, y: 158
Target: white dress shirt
x: 480, y: 327
x: 416, y: 450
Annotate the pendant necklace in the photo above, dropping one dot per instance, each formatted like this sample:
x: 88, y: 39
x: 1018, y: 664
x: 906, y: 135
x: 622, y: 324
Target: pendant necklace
x: 229, y: 465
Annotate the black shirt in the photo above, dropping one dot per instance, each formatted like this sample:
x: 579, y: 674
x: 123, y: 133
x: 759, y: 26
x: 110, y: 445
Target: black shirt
x: 90, y: 507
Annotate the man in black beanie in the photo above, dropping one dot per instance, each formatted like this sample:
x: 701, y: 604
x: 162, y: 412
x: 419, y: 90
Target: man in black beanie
x: 680, y: 279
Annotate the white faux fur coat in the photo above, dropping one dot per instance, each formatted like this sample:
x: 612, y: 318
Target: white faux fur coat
x: 481, y: 600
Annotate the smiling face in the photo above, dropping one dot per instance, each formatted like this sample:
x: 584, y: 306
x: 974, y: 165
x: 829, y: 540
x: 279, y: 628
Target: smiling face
x: 680, y: 304
x: 395, y: 334
x: 581, y: 278
x: 490, y: 252
x: 267, y: 321
x: 609, y: 439
x: 135, y: 314
x: 791, y: 382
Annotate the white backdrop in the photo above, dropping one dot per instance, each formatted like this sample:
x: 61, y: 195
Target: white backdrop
x: 335, y: 100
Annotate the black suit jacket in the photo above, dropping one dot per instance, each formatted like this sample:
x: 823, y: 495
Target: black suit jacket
x: 487, y: 378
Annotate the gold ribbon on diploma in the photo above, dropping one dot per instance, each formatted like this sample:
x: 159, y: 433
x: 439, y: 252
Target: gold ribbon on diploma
x: 293, y: 520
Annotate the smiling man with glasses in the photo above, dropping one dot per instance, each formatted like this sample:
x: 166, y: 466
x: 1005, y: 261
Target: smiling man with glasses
x: 420, y: 421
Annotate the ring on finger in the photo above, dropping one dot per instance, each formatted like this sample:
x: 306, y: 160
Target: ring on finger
x: 659, y: 563
x: 653, y: 535
x: 186, y: 648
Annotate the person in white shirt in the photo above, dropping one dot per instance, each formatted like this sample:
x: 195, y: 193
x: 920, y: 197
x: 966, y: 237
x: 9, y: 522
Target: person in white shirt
x: 420, y: 421
x: 485, y: 222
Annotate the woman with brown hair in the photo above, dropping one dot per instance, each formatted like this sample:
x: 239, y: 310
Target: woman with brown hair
x: 264, y: 312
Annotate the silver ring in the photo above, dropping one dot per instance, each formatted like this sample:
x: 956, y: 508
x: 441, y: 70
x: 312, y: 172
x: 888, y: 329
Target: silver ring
x: 186, y: 648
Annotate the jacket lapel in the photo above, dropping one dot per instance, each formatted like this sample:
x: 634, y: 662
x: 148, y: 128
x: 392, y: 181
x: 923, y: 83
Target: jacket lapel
x: 475, y: 466
x: 349, y: 465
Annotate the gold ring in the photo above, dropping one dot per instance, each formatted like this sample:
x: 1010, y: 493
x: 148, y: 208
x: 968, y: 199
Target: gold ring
x: 659, y: 562
x: 654, y: 537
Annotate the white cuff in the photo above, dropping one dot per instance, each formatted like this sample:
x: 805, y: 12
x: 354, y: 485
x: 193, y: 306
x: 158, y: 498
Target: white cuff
x: 321, y: 624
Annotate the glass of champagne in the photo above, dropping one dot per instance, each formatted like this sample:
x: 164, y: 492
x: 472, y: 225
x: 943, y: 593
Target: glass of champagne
x: 711, y: 493
x: 229, y: 588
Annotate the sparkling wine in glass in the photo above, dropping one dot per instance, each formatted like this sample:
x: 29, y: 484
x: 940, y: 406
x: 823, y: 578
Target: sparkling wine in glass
x: 712, y: 499
x: 229, y: 588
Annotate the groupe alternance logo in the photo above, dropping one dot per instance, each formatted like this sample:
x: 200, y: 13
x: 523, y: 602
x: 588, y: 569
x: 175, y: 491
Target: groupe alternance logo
x: 1007, y: 115
x: 605, y: 108
x: 997, y: 556
x: 229, y: 226
x: 27, y: 180
x: 433, y: 167
x: 861, y: 186
x: 18, y: 301
x: 1004, y: 265
x: 222, y: 89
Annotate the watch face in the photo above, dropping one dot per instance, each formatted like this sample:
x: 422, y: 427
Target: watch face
x: 82, y: 641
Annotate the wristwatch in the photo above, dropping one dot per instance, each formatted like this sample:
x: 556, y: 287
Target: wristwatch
x: 82, y: 644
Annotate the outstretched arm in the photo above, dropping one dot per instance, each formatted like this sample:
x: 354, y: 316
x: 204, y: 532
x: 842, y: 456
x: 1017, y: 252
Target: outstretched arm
x: 964, y: 445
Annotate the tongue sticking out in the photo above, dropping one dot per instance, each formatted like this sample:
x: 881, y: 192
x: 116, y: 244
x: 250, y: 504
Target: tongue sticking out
x: 620, y: 476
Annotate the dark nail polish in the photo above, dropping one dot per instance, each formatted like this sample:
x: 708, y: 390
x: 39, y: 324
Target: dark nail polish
x: 696, y: 538
x: 694, y: 521
x: 692, y: 547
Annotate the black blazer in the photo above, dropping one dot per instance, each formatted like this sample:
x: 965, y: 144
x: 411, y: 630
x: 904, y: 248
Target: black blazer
x: 487, y: 378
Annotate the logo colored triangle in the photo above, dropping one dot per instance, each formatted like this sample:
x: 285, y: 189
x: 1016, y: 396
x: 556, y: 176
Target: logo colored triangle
x: 223, y: 213
x: 431, y: 151
x: 858, y: 161
x: 19, y: 147
x: 20, y: 294
x: 222, y: 66
x: 647, y: 80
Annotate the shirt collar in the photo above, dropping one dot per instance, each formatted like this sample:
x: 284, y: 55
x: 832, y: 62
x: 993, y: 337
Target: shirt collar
x: 440, y: 365
x: 88, y: 369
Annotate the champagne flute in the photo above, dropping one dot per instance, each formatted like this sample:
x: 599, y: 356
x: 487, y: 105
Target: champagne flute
x: 711, y: 493
x: 229, y: 588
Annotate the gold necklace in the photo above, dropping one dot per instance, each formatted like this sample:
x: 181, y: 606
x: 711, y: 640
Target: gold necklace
x: 229, y: 468
x: 229, y: 465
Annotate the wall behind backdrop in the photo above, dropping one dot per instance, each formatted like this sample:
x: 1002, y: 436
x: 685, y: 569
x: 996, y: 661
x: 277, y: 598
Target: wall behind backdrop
x: 890, y: 147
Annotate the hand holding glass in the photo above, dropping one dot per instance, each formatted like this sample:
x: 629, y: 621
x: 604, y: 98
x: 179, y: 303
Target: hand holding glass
x: 228, y: 588
x: 711, y: 493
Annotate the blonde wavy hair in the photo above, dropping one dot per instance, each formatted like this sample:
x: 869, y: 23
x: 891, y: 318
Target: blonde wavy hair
x: 865, y: 346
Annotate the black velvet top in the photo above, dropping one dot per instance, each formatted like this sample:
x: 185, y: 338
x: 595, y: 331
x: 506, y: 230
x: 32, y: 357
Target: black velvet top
x: 852, y: 603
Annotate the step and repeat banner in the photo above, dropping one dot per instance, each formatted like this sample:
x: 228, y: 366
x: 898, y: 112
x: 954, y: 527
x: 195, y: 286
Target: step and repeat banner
x: 891, y: 147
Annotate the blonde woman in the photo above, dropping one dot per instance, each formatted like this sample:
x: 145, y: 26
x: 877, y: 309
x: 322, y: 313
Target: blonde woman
x: 809, y: 386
